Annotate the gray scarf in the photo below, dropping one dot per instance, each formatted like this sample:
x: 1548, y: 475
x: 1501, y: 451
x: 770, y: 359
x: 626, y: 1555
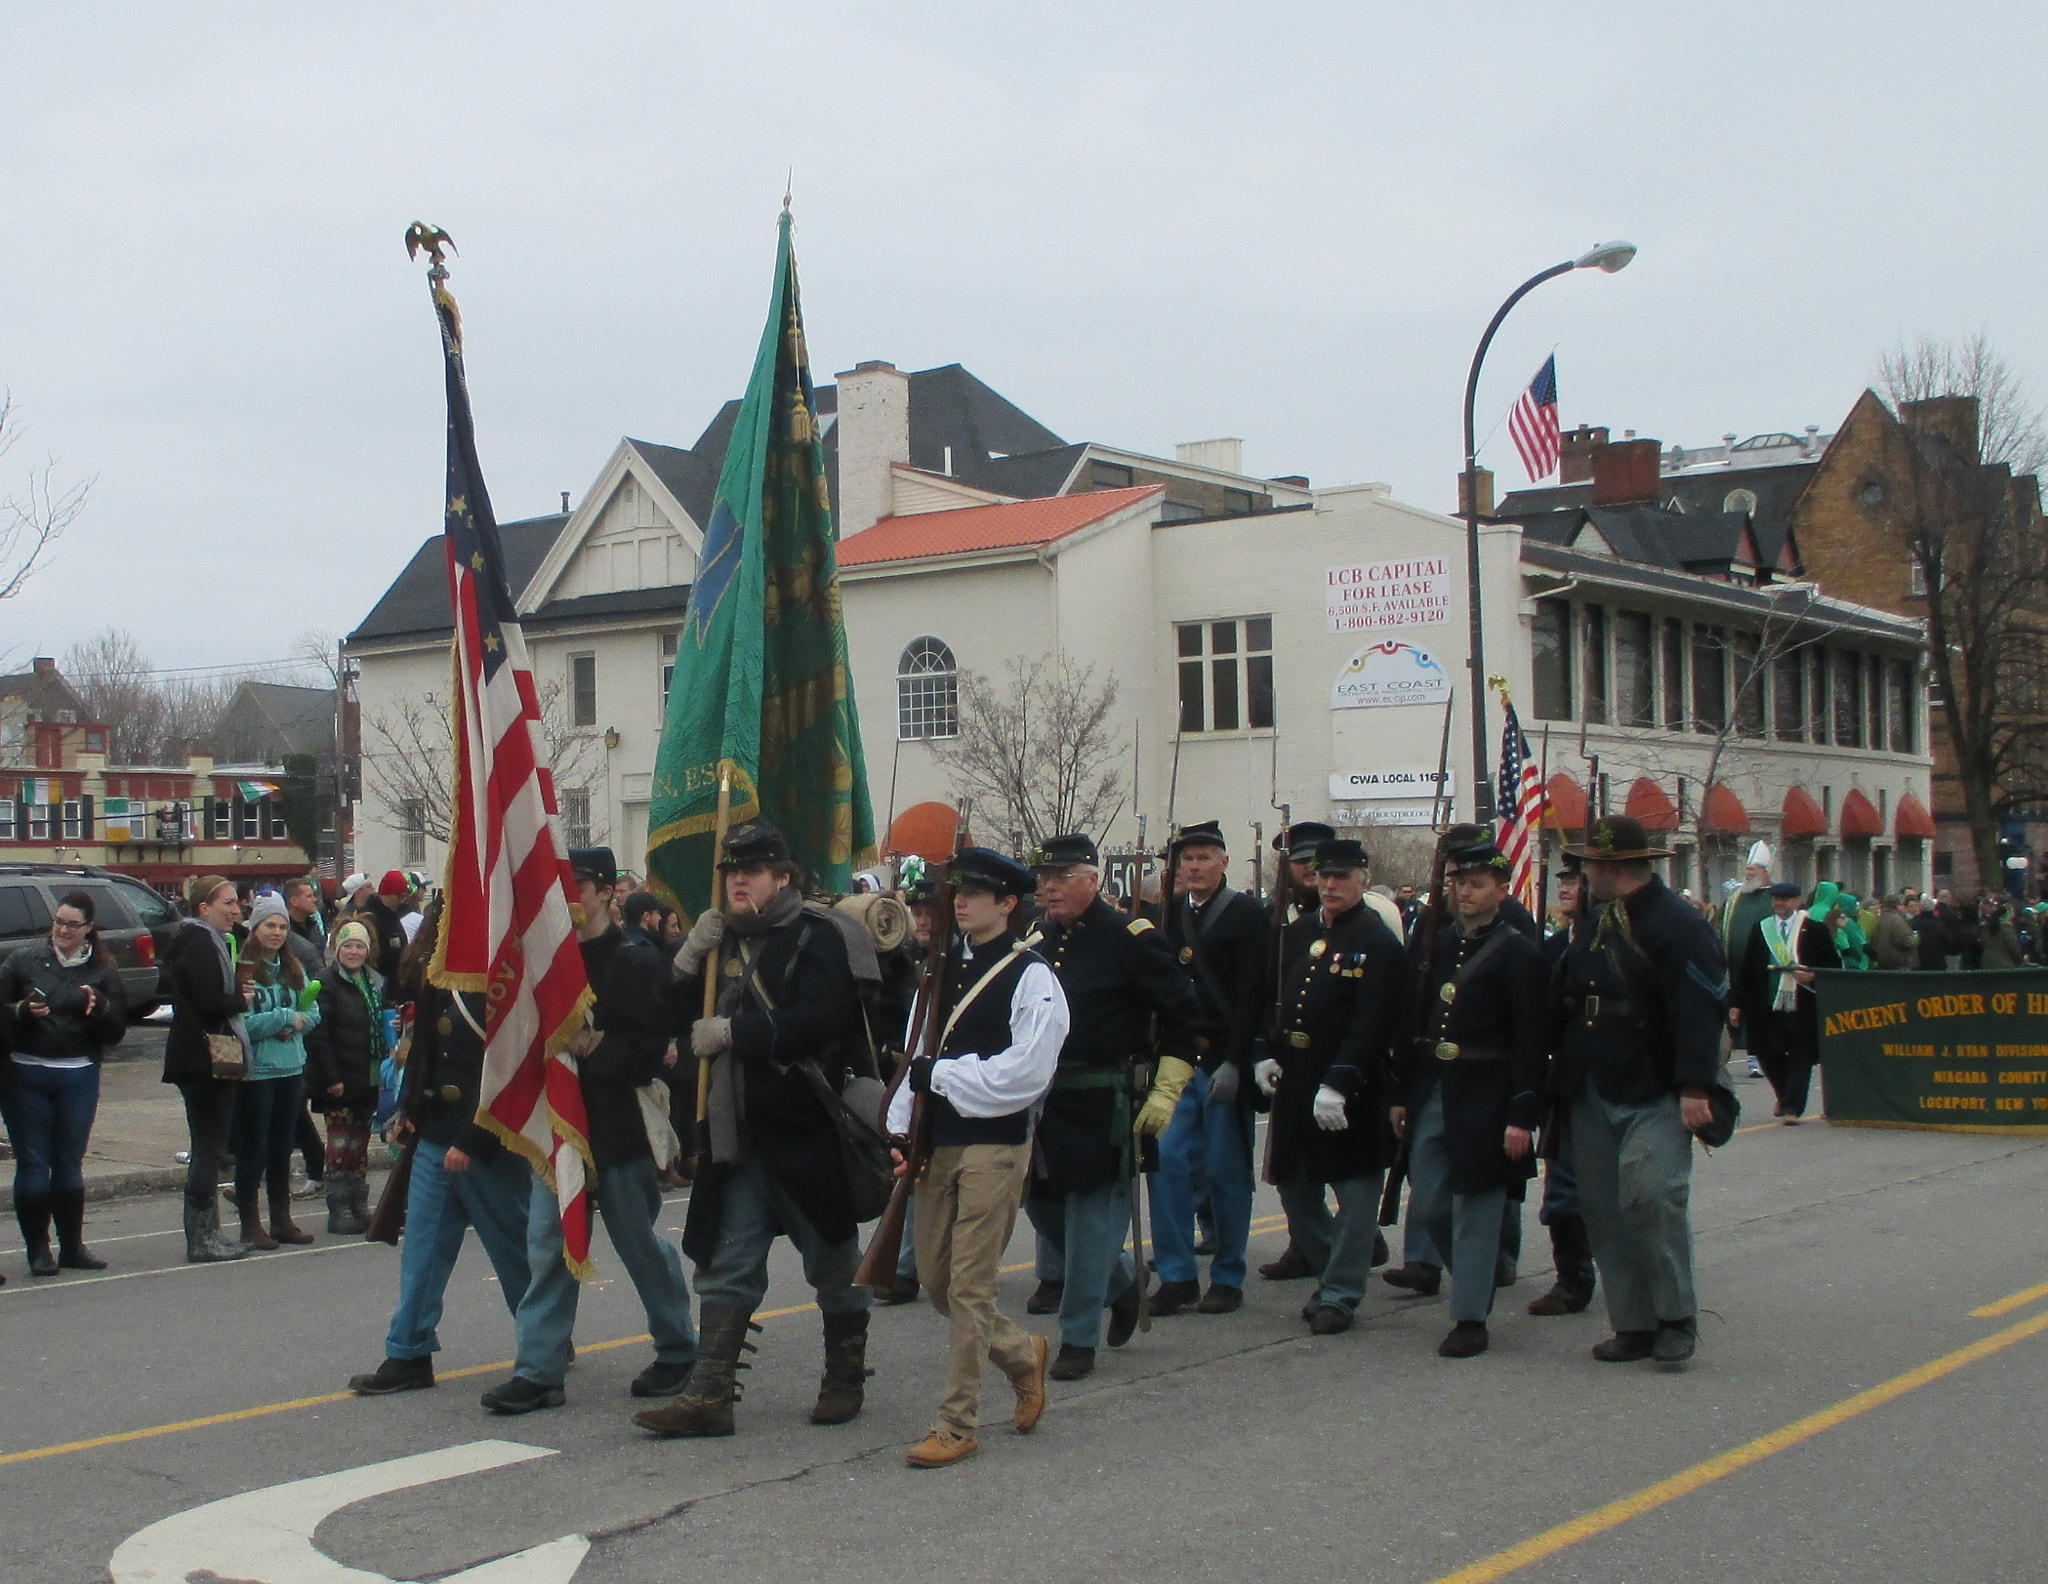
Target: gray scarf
x: 227, y: 974
x: 725, y: 1105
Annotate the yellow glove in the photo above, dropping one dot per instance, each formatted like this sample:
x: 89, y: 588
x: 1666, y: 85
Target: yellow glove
x: 1157, y: 1111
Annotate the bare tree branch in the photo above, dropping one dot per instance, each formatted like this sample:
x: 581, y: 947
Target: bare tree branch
x: 33, y: 521
x: 1036, y: 751
x: 150, y: 718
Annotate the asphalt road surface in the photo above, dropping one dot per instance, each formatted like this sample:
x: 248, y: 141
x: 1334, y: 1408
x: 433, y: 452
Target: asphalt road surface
x: 1848, y: 1417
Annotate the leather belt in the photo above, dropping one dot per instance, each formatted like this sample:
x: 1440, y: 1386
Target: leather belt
x: 1605, y: 1006
x: 1450, y: 1050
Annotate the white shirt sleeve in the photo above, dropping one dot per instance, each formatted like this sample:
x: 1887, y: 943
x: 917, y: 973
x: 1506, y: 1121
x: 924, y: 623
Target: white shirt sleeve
x: 1018, y: 1076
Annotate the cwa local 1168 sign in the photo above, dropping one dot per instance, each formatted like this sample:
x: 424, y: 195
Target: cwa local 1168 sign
x: 1391, y: 671
x: 1389, y: 594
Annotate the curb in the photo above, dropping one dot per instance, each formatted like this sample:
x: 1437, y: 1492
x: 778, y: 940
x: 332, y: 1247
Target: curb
x: 119, y: 1185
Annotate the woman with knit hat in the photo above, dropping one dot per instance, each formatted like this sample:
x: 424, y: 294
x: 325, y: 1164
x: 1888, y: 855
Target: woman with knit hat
x: 267, y: 1101
x: 345, y: 1052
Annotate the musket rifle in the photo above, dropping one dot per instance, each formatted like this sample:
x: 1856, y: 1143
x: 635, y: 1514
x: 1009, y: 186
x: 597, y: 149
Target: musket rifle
x: 885, y: 1248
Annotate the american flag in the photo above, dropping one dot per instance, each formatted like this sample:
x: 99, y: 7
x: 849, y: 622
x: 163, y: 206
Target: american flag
x: 1521, y: 809
x: 506, y: 926
x: 1533, y: 423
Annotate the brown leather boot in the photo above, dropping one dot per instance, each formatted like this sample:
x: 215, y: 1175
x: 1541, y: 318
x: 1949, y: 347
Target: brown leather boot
x: 705, y: 1407
x: 253, y: 1234
x: 281, y: 1225
x: 843, y: 1387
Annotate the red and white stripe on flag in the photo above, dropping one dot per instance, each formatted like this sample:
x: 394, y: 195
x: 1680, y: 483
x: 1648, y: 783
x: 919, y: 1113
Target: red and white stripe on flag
x: 1533, y: 423
x: 1521, y: 811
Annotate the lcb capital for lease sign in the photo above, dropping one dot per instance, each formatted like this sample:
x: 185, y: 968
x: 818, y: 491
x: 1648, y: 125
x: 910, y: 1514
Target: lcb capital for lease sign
x: 1958, y: 1051
x: 1389, y: 594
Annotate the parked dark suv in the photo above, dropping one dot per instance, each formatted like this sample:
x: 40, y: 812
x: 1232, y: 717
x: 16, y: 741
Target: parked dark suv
x: 134, y: 921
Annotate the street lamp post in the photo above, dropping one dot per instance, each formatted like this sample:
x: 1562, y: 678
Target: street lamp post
x: 1608, y: 257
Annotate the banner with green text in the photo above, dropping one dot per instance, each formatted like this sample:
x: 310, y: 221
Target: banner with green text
x: 1965, y: 1052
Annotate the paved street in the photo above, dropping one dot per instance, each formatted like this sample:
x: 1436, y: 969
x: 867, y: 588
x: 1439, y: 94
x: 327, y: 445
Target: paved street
x: 1833, y: 1261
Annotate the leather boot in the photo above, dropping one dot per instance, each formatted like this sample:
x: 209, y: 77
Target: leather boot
x: 253, y: 1235
x: 843, y: 1387
x: 203, y: 1242
x: 34, y: 1218
x: 705, y: 1407
x: 67, y: 1210
x: 343, y: 1220
x: 281, y: 1225
x: 359, y: 1198
x: 1572, y: 1252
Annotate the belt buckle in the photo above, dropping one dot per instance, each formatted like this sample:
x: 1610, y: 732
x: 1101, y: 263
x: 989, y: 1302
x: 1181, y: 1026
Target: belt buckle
x: 1298, y: 1038
x: 1446, y: 1050
x: 1592, y: 1008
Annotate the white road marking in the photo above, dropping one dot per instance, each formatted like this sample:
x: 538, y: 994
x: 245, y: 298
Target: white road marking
x: 17, y: 1290
x: 266, y: 1536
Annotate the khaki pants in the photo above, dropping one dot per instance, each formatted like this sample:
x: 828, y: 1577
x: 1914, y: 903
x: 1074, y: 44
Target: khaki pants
x: 966, y: 1207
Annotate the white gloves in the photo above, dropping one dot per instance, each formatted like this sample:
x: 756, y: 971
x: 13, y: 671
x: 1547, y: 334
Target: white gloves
x: 1267, y: 1076
x: 1330, y: 1115
x: 710, y: 1036
x: 700, y: 943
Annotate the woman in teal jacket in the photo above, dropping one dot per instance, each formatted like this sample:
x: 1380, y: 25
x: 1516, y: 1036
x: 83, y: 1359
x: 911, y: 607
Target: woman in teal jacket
x: 267, y: 1101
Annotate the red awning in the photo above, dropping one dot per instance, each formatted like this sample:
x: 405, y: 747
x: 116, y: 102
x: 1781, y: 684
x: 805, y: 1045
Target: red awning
x: 1723, y: 813
x: 1651, y: 806
x: 1801, y: 816
x: 1568, y: 810
x: 1912, y: 822
x: 1860, y: 817
x: 927, y: 829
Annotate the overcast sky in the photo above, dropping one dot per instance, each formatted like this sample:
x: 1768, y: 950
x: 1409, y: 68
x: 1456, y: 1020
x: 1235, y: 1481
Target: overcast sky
x: 1144, y: 224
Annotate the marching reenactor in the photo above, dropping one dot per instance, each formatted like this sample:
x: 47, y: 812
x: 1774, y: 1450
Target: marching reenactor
x: 788, y: 1021
x: 1472, y: 1087
x: 1571, y: 1251
x: 1119, y: 977
x: 1640, y: 999
x: 1775, y: 1004
x: 1001, y: 1020
x: 1344, y: 990
x: 1299, y: 842
x: 621, y: 1052
x: 1220, y: 937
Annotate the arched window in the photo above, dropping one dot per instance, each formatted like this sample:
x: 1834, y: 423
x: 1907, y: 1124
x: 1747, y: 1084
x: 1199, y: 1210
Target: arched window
x: 927, y: 692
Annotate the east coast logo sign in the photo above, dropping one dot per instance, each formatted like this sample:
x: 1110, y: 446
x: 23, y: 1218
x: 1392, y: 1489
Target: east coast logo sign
x: 1390, y: 671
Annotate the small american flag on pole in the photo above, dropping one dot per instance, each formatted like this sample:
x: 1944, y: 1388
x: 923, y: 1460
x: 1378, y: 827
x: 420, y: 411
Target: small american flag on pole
x: 506, y: 926
x: 1533, y: 423
x: 1521, y: 808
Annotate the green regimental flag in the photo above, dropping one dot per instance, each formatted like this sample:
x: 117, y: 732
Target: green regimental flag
x: 761, y: 690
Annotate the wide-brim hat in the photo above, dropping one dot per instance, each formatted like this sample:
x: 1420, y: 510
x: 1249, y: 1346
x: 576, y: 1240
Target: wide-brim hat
x: 1067, y: 852
x: 1301, y: 839
x: 1480, y: 857
x: 1615, y: 838
x: 985, y: 869
x: 753, y: 844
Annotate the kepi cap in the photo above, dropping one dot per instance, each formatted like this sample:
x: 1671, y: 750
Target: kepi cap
x: 1067, y: 852
x: 985, y: 869
x: 595, y: 864
x: 1341, y: 855
x: 753, y: 844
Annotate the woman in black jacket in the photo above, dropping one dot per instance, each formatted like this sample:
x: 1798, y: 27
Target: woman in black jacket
x: 344, y: 1056
x: 199, y: 964
x: 66, y: 1005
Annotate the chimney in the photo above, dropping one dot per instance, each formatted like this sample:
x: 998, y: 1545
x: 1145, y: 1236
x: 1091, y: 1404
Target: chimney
x: 1225, y: 456
x: 45, y: 666
x: 1627, y: 474
x: 1483, y: 477
x: 1953, y: 418
x: 874, y: 436
x: 1575, y: 448
x: 565, y: 503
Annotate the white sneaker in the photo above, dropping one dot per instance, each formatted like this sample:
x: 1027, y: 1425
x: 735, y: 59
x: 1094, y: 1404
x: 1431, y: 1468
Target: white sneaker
x: 1755, y: 1068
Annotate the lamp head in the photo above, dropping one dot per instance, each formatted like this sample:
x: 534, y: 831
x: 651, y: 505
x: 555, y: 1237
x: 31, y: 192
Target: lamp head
x: 1608, y: 256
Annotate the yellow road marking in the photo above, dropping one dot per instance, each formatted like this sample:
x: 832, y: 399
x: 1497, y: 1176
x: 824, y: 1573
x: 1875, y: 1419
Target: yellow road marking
x: 236, y: 1416
x: 2018, y: 1300
x: 1651, y: 1497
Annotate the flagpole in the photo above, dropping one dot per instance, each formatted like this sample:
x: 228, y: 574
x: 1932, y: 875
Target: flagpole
x: 711, y: 963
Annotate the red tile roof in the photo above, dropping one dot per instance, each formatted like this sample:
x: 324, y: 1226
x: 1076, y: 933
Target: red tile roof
x: 1012, y: 524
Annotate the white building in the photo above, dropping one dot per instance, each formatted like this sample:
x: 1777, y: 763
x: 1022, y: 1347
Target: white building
x: 1272, y: 644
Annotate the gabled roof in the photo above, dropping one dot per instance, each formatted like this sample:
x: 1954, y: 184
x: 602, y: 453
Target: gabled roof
x: 691, y: 476
x: 416, y: 604
x: 1013, y: 525
x: 264, y: 721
